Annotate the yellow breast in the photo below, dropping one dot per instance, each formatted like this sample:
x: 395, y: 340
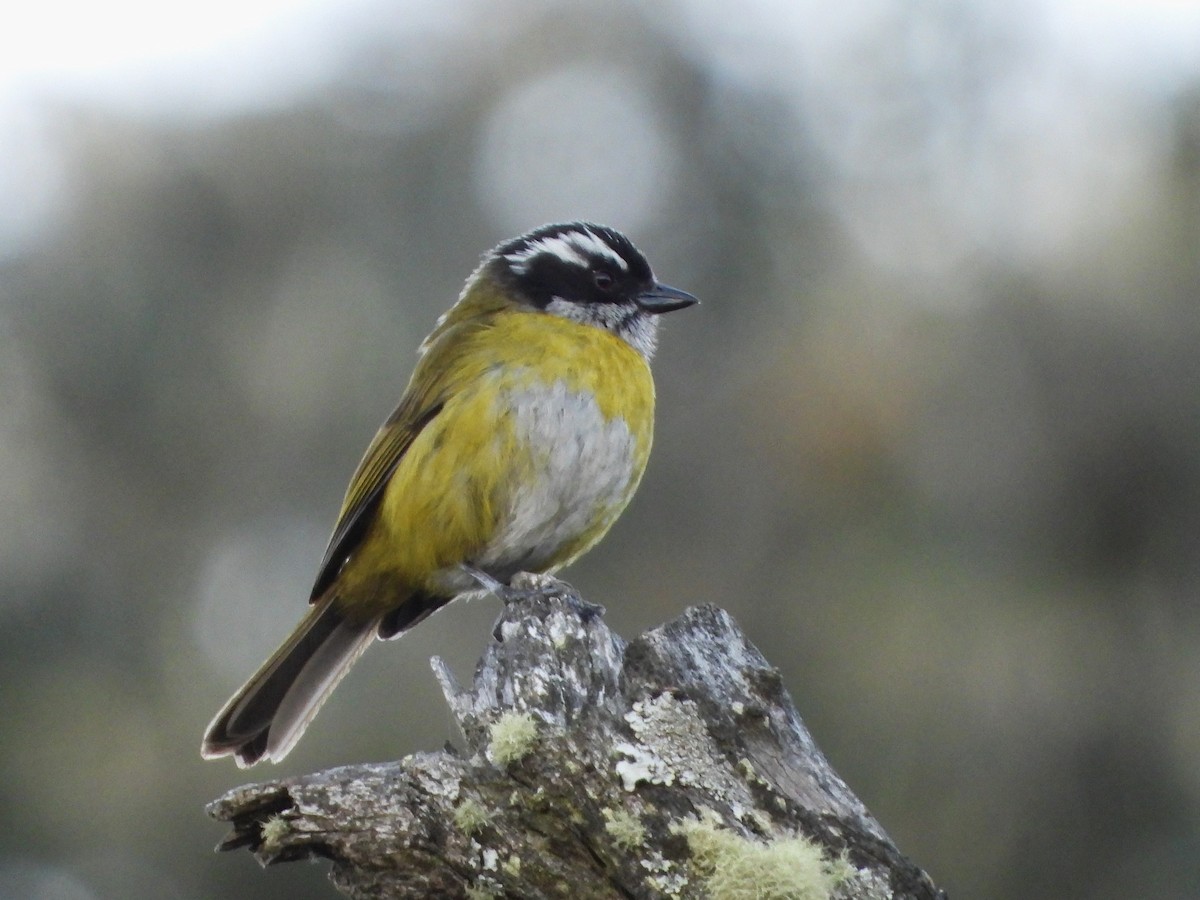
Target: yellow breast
x: 543, y: 436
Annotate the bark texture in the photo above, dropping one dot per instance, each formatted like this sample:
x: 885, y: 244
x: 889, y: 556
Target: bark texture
x: 671, y: 766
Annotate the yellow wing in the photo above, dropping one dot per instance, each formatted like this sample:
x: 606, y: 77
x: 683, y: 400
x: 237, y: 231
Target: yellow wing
x: 434, y: 380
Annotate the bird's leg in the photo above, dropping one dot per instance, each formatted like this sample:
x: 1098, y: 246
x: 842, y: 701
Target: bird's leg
x: 507, y: 593
x: 487, y: 582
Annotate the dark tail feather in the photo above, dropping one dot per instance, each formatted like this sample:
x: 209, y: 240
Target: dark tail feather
x: 415, y: 609
x: 266, y: 717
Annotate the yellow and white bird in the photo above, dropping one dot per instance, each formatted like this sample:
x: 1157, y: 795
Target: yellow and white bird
x: 521, y: 437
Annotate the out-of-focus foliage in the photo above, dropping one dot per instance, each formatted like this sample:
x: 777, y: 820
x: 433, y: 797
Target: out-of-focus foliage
x: 933, y: 436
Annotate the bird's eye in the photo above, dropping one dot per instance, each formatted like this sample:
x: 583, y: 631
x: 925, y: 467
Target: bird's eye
x: 603, y: 281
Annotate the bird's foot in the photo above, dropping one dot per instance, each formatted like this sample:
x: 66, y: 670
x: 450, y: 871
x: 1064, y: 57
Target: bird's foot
x: 537, y: 584
x: 526, y: 586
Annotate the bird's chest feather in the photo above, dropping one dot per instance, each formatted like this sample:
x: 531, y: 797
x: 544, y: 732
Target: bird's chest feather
x: 580, y: 466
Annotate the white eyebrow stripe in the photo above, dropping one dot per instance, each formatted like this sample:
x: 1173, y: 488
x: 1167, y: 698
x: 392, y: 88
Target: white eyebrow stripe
x: 558, y: 245
x: 588, y: 240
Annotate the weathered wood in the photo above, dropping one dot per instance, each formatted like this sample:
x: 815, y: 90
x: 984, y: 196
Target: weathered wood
x: 672, y: 766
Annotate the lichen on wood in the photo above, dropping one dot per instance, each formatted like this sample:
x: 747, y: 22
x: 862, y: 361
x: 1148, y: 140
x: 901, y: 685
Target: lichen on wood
x: 591, y: 767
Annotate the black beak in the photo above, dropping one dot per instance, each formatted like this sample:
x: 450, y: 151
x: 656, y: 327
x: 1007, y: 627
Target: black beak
x: 663, y: 299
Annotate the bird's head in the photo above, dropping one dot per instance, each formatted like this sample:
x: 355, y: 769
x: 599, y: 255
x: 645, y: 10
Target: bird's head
x: 589, y: 274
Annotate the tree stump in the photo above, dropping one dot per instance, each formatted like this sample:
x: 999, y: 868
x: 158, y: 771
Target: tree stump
x: 671, y: 766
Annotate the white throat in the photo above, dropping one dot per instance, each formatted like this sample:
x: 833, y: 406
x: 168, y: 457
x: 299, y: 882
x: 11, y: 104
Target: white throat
x: 625, y: 320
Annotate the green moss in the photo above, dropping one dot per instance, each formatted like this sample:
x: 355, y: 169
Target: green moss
x: 274, y: 830
x: 512, y: 866
x: 470, y: 817
x: 746, y: 769
x: 735, y: 868
x: 513, y: 736
x: 624, y: 828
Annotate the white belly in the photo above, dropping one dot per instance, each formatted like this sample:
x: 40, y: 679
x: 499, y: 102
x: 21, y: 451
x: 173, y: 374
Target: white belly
x: 583, y: 473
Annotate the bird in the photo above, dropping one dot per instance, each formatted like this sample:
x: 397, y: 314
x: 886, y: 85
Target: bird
x: 520, y: 438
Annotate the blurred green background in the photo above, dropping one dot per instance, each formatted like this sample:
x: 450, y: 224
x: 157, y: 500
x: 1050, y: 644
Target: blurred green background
x: 933, y: 437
